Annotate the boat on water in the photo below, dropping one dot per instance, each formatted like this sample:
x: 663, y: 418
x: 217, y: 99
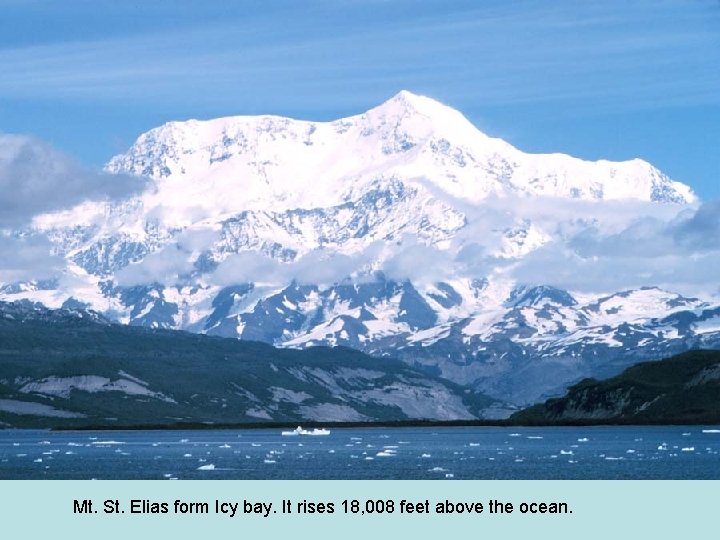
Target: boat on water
x: 300, y: 431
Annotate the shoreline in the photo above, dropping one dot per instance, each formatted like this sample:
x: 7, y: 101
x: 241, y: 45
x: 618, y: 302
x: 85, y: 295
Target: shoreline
x: 193, y: 426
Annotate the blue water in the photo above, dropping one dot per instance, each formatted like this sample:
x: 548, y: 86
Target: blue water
x: 667, y: 452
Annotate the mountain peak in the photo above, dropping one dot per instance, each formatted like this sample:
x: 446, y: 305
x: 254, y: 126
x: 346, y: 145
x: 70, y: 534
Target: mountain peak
x: 417, y: 102
x: 407, y: 105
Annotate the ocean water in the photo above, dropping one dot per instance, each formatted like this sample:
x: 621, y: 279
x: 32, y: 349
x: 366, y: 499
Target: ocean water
x: 656, y: 452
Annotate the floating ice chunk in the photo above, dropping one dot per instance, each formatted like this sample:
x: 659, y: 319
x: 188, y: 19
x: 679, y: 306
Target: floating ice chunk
x: 187, y: 455
x: 386, y: 453
x: 449, y: 475
x: 224, y: 446
x: 437, y: 469
x: 566, y: 452
x: 269, y: 461
x: 630, y: 451
x: 583, y: 439
x: 711, y: 430
x: 688, y: 449
x: 208, y: 467
x: 686, y: 434
x: 474, y: 444
x: 534, y: 437
x: 514, y: 435
x: 425, y: 456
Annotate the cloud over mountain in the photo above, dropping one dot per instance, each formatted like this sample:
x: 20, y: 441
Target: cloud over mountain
x: 35, y: 178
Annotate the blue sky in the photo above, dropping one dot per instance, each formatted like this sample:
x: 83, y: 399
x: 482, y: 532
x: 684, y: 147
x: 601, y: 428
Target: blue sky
x: 611, y: 79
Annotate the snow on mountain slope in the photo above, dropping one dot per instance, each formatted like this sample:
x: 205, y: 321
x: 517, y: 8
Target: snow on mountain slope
x: 396, y: 231
x: 232, y: 164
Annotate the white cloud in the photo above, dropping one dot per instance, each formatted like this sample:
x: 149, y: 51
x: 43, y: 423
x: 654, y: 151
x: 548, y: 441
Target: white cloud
x: 680, y: 252
x: 163, y: 266
x: 246, y: 266
x: 320, y: 267
x: 35, y: 179
x: 595, y: 247
x: 27, y: 258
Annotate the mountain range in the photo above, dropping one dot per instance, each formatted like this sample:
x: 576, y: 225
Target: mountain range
x: 401, y: 232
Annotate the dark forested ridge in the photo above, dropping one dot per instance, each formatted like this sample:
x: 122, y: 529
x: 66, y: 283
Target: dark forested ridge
x: 681, y: 389
x: 73, y: 368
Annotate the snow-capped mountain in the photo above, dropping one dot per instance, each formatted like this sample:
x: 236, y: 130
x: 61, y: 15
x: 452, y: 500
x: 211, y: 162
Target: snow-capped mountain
x: 398, y: 232
x: 240, y: 163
